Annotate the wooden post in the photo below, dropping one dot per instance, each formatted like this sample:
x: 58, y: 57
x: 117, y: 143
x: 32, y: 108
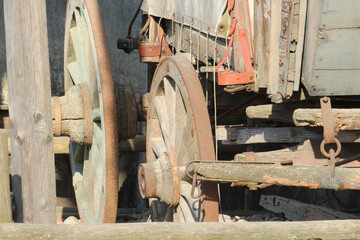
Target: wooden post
x: 5, y: 202
x: 33, y: 167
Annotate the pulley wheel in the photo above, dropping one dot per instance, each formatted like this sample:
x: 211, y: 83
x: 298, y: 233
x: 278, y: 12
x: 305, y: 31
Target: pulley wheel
x: 178, y: 131
x: 87, y: 60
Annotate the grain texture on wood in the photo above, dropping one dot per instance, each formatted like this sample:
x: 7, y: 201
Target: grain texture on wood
x: 300, y: 43
x: 5, y: 202
x: 33, y: 170
x: 313, y: 177
x: 262, y: 35
x: 257, y: 135
x: 304, y: 154
x: 338, y: 229
x: 274, y: 46
x: 344, y: 119
x: 298, y: 211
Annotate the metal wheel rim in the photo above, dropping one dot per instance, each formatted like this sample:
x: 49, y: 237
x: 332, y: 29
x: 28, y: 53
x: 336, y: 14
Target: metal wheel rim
x: 86, y: 59
x: 175, y: 78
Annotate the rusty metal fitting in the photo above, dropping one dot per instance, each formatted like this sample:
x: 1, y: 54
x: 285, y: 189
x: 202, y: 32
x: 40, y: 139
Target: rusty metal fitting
x: 161, y: 179
x: 147, y: 181
x: 326, y: 154
x: 57, y: 115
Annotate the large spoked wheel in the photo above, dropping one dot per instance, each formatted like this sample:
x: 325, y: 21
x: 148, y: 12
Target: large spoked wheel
x: 178, y: 131
x: 95, y: 165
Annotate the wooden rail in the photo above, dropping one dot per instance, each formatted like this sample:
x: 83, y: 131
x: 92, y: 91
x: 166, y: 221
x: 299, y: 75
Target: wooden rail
x: 339, y: 229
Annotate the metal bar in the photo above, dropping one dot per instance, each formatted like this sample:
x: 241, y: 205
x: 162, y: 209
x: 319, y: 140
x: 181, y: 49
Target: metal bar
x: 313, y: 177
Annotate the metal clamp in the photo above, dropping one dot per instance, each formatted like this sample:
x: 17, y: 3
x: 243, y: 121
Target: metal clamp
x: 329, y: 130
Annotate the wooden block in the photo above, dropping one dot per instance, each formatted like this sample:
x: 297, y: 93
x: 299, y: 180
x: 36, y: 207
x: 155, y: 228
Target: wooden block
x: 344, y: 119
x: 298, y: 211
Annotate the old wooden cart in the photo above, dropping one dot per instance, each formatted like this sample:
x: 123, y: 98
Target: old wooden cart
x: 252, y: 76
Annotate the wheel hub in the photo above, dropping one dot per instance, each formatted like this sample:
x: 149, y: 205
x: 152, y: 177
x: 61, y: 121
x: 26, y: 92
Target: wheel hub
x: 161, y: 179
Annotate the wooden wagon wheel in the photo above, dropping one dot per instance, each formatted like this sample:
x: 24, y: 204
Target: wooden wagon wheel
x: 95, y: 165
x: 178, y: 131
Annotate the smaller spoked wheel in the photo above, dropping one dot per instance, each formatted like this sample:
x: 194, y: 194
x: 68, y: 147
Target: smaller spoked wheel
x: 178, y: 131
x: 87, y: 63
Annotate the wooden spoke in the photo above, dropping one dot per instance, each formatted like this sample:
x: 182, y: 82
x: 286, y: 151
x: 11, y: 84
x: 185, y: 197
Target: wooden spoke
x: 158, y: 146
x: 181, y: 118
x: 170, y: 98
x: 77, y: 46
x: 161, y: 109
x: 73, y: 69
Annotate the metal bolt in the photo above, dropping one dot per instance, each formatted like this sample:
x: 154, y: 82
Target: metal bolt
x: 221, y: 27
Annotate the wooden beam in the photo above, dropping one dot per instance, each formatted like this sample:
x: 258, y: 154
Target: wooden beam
x: 235, y: 135
x: 33, y: 167
x: 344, y: 119
x: 314, y: 177
x: 304, y: 154
x: 5, y: 202
x: 340, y: 229
x: 61, y: 144
x: 298, y: 211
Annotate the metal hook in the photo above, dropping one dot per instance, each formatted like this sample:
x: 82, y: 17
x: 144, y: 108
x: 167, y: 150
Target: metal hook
x: 194, y: 185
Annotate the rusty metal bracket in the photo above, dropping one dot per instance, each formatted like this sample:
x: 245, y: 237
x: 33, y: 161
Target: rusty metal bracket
x: 329, y: 130
x: 238, y: 26
x: 327, y: 116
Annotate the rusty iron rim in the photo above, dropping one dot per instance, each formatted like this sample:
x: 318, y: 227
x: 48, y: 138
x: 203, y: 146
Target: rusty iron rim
x: 186, y: 79
x: 103, y: 188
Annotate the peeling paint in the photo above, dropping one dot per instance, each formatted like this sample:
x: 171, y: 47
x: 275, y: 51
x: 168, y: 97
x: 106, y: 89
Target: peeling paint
x: 287, y: 182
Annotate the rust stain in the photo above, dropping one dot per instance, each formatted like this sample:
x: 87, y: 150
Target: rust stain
x: 287, y: 182
x: 356, y: 176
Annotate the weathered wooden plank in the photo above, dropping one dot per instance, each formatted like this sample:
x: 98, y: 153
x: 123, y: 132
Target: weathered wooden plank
x: 339, y: 229
x: 341, y: 14
x: 313, y: 19
x: 335, y: 82
x: 5, y: 201
x: 262, y: 40
x: 61, y: 145
x: 258, y: 135
x: 273, y: 84
x: 344, y: 119
x: 298, y: 211
x: 300, y: 43
x: 33, y: 167
x: 337, y: 50
x: 304, y: 154
x: 276, y: 112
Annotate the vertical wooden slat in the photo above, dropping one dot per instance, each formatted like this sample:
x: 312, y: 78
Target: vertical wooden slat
x: 273, y: 85
x: 5, y: 202
x: 33, y: 170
